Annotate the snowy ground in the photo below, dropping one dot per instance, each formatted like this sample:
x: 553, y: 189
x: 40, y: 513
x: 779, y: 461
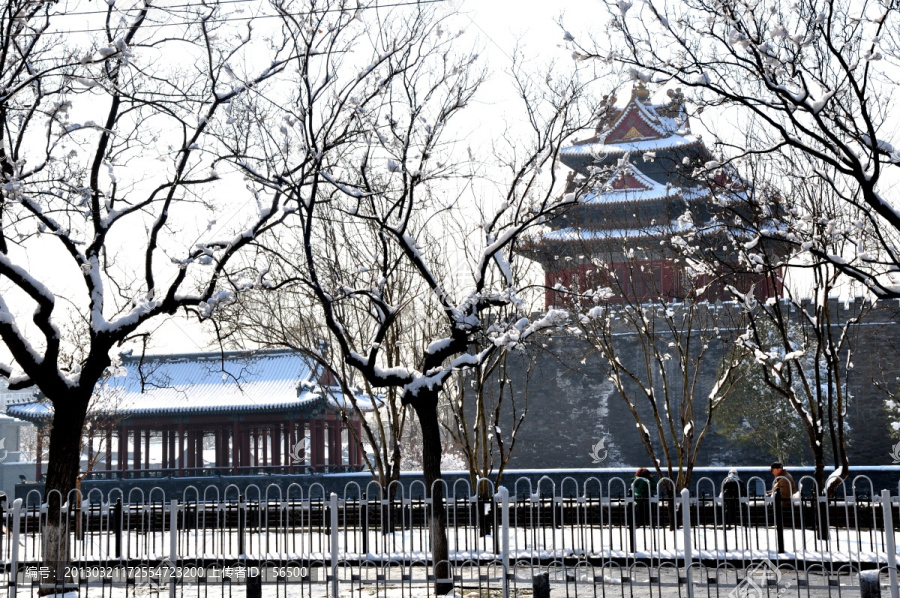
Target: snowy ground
x: 645, y: 583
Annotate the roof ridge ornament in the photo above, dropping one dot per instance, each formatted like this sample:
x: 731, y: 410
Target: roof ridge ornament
x: 640, y: 92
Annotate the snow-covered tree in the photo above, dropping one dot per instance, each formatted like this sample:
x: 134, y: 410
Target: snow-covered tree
x: 285, y: 319
x: 809, y: 83
x: 759, y: 420
x: 115, y: 125
x: 488, y: 404
x: 657, y: 350
x: 801, y: 341
x: 807, y: 364
x: 378, y: 176
x: 808, y: 78
x: 892, y: 408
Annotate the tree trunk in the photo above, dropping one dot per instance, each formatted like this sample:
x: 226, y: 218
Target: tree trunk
x: 426, y: 411
x: 821, y: 518
x: 485, y: 518
x: 63, y: 465
x: 819, y: 461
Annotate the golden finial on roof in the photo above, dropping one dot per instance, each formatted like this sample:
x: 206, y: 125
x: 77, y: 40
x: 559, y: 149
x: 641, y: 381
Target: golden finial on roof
x: 641, y: 92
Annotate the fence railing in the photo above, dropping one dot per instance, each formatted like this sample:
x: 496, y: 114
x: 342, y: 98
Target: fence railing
x: 594, y: 538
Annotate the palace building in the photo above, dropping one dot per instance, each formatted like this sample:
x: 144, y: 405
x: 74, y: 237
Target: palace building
x: 232, y: 413
x: 645, y: 182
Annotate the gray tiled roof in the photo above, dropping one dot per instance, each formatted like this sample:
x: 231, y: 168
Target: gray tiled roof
x: 203, y: 383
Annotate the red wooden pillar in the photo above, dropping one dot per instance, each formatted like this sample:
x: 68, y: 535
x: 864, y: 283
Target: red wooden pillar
x: 344, y: 434
x: 165, y: 449
x: 40, y: 449
x: 351, y: 444
x: 147, y: 449
x: 191, y: 449
x: 289, y: 446
x: 137, y: 449
x: 276, y: 445
x: 317, y: 443
x: 300, y: 441
x: 245, y: 448
x: 265, y: 445
x: 200, y: 435
x: 356, y: 446
x: 335, y: 456
x: 226, y: 443
x: 172, y: 454
x: 329, y: 442
x: 223, y: 457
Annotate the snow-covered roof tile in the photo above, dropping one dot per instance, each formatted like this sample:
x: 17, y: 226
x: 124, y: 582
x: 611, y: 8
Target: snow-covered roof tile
x: 591, y: 234
x: 647, y: 145
x: 648, y: 190
x: 584, y: 234
x: 205, y: 383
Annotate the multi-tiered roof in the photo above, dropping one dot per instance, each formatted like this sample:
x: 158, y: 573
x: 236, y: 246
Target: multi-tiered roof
x: 643, y: 180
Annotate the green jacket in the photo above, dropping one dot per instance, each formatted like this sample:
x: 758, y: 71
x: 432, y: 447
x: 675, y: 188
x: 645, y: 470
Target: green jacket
x: 641, y: 487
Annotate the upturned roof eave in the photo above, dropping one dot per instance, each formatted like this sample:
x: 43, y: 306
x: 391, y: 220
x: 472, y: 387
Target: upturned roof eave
x: 621, y: 148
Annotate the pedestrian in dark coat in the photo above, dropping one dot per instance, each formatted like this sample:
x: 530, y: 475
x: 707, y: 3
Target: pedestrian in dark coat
x: 642, y: 490
x: 732, y: 491
x: 784, y: 481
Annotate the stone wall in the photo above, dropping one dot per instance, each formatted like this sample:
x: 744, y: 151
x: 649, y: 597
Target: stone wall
x: 572, y: 405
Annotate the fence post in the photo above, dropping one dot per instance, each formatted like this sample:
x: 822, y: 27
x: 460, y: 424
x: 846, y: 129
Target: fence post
x: 540, y: 585
x: 504, y: 540
x: 117, y: 526
x: 334, y: 545
x: 14, y: 558
x: 365, y: 524
x: 891, y: 544
x: 173, y: 543
x: 241, y: 522
x: 779, y: 521
x: 630, y: 505
x: 686, y: 530
x: 821, y: 516
x: 869, y: 584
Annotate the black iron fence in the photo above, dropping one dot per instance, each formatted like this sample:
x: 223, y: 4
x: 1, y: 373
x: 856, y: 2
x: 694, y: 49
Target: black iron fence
x: 592, y: 538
